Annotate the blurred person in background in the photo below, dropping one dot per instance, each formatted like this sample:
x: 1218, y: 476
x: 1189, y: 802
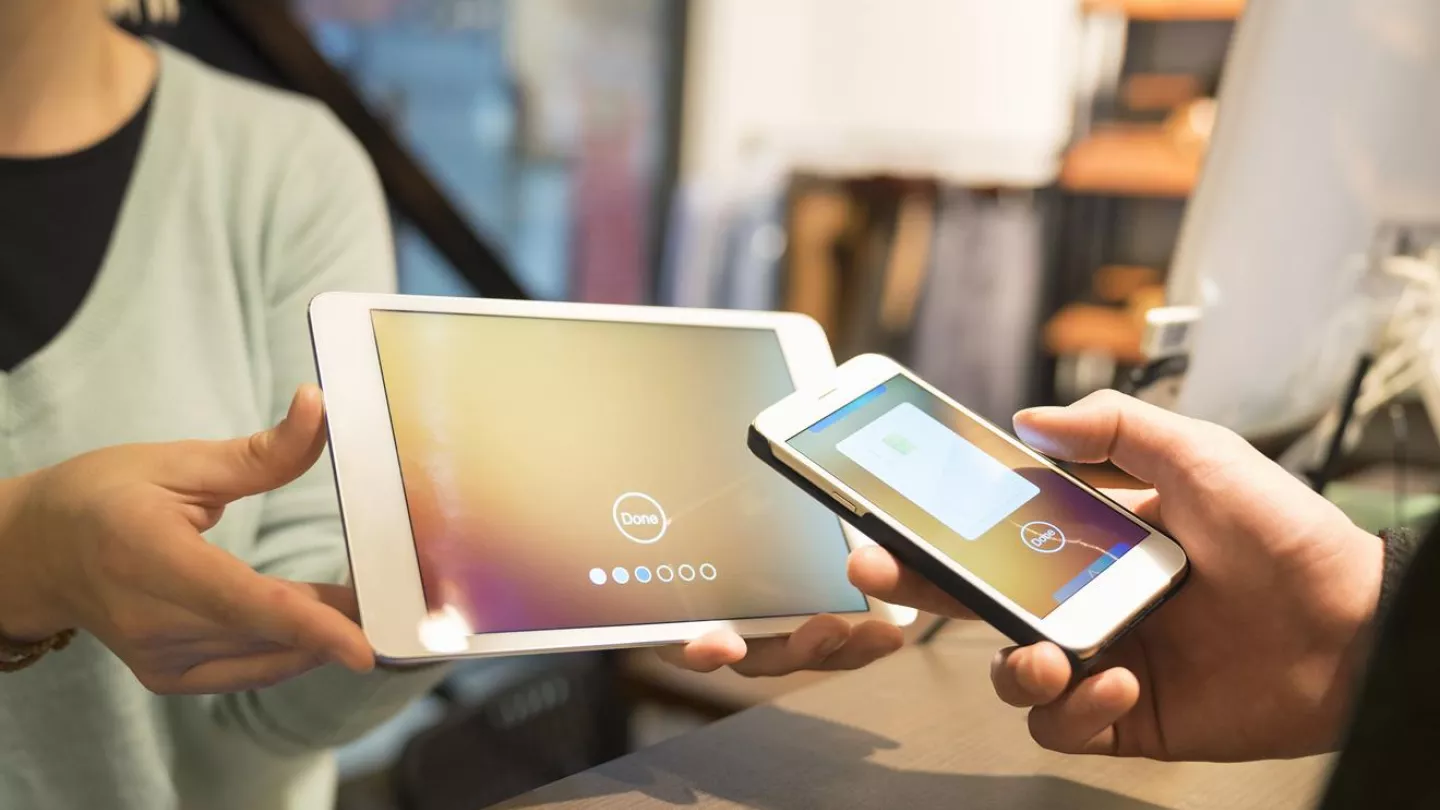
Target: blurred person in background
x: 163, y: 227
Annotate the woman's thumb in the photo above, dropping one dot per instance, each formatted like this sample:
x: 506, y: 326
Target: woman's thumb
x: 235, y: 468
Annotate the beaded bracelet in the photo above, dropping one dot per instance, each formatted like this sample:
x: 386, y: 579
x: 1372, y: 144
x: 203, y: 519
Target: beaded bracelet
x: 15, y: 655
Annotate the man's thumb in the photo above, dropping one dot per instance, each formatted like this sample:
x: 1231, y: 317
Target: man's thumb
x: 269, y: 459
x: 1141, y: 439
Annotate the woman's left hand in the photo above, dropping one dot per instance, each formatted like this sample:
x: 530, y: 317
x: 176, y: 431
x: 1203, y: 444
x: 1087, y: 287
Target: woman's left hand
x: 823, y: 642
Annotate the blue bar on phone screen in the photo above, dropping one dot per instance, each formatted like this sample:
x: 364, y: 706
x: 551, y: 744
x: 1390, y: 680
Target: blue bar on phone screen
x: 849, y: 408
x: 1082, y: 579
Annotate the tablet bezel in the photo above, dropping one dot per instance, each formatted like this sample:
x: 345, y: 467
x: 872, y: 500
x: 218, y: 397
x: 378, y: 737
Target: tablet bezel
x: 383, y: 563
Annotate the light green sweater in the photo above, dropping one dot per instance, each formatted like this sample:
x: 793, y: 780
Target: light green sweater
x: 245, y: 202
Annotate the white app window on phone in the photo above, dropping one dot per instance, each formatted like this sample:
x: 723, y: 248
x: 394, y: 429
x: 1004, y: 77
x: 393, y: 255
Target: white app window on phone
x: 934, y: 468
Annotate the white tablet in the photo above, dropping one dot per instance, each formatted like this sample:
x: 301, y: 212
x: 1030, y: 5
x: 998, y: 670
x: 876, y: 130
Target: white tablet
x: 522, y: 477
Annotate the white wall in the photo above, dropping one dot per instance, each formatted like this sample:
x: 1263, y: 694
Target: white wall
x: 1329, y: 127
x: 975, y: 91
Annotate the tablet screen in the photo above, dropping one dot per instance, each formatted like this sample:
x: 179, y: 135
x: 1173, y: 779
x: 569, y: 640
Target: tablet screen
x: 564, y: 474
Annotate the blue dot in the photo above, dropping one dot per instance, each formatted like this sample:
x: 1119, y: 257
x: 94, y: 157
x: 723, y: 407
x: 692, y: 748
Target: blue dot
x: 642, y: 574
x: 620, y: 575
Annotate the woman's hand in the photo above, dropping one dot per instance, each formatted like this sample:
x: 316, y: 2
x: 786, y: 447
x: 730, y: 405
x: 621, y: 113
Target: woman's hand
x: 109, y: 543
x: 821, y: 643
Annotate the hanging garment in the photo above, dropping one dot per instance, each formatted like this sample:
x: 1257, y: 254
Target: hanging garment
x: 727, y: 239
x: 976, y: 331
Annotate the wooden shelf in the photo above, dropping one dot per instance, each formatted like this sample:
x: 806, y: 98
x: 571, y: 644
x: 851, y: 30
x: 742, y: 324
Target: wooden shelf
x: 1169, y: 10
x: 1116, y: 283
x: 1159, y: 92
x: 1085, y: 329
x: 1140, y: 161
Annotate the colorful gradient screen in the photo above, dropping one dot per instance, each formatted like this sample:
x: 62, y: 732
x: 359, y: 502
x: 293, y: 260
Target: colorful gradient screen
x: 564, y: 474
x: 1023, y: 528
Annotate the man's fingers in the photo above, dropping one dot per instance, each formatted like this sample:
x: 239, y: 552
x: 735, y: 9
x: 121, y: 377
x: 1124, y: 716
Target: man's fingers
x: 246, y: 672
x: 880, y: 575
x: 1030, y: 676
x: 228, y: 470
x: 213, y: 584
x: 1083, y: 722
x: 1144, y: 503
x: 1144, y: 440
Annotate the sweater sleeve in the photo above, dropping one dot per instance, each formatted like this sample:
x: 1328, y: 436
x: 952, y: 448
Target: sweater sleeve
x: 1387, y: 759
x: 327, y: 229
x: 1400, y: 547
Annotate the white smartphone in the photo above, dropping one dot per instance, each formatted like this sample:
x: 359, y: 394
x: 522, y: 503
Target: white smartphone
x: 523, y: 476
x: 1028, y: 547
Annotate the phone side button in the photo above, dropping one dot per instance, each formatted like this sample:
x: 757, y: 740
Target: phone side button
x: 847, y: 503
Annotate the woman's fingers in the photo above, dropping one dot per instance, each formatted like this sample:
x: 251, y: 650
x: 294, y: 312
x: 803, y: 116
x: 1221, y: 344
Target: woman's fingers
x: 822, y: 643
x: 219, y: 587
x: 213, y: 640
x: 340, y: 597
x: 244, y: 673
x: 869, y: 642
x: 807, y: 648
x: 708, y: 653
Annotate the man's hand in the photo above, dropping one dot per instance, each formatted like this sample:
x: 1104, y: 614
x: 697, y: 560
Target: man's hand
x: 1256, y: 656
x: 109, y: 542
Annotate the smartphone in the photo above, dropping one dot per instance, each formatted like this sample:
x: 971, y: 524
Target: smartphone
x: 1025, y: 545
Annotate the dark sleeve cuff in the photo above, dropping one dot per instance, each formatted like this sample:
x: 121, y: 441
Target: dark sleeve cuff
x: 1400, y: 546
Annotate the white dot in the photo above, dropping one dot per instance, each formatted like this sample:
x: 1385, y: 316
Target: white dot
x: 687, y: 572
x: 620, y: 575
x: 597, y: 576
x: 708, y: 572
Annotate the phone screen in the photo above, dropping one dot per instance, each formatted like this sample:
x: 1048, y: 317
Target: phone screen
x: 1022, y: 527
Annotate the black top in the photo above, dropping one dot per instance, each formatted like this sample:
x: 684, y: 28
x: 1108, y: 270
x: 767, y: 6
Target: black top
x: 57, y: 215
x: 1394, y: 736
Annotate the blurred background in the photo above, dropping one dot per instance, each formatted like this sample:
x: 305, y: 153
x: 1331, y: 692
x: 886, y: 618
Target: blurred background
x: 994, y: 192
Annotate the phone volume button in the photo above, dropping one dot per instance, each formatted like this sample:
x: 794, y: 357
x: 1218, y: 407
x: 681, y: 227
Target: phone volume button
x: 847, y: 503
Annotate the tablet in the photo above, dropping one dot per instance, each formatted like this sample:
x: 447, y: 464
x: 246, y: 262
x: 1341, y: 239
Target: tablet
x: 519, y: 477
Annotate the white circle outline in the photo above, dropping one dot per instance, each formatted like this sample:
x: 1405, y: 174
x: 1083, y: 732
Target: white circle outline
x: 615, y: 516
x: 668, y: 576
x: 1057, y: 529
x: 713, y: 572
x: 681, y: 572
